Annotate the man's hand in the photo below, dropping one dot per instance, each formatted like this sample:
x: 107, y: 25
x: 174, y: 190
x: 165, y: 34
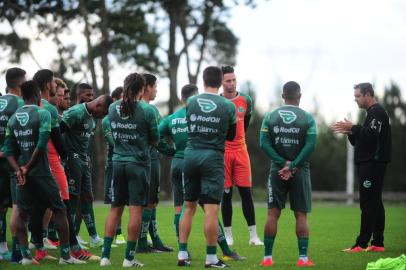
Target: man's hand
x: 20, y: 178
x: 343, y: 127
x: 285, y: 173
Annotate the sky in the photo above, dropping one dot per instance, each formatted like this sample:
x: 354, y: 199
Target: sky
x: 327, y: 46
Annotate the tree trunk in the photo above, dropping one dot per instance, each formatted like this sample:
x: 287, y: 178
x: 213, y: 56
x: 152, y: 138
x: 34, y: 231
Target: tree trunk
x: 104, y: 48
x: 173, y: 60
x: 90, y: 56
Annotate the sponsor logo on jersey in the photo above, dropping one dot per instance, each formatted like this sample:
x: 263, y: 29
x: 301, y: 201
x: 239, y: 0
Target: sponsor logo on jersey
x: 115, y: 125
x: 201, y: 118
x: 22, y: 118
x: 292, y: 130
x: 182, y: 120
x: 288, y: 117
x: 176, y: 130
x: 286, y: 141
x: 240, y: 109
x: 367, y: 184
x: 206, y: 105
x: 3, y: 104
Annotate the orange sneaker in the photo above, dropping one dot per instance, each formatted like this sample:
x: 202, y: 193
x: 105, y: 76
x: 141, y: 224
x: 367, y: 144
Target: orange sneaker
x: 54, y: 243
x: 266, y: 262
x: 375, y: 248
x: 84, y: 255
x: 43, y: 255
x: 303, y: 263
x: 354, y: 249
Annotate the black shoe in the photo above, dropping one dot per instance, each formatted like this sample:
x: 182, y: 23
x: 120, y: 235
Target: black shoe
x: 163, y: 248
x: 219, y: 264
x: 147, y: 249
x: 185, y: 262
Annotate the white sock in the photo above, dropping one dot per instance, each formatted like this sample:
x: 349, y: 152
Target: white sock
x: 267, y: 258
x: 3, y: 247
x: 182, y: 255
x: 228, y: 231
x: 211, y: 258
x: 253, y: 231
x: 303, y: 258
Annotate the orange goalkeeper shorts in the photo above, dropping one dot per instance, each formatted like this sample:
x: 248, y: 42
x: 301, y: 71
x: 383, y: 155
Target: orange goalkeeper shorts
x: 237, y: 168
x: 57, y: 171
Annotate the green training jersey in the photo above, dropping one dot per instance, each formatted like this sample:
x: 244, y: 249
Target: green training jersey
x: 175, y: 127
x: 132, y: 134
x: 289, y: 133
x: 154, y: 151
x: 209, y: 117
x: 53, y: 111
x: 8, y: 106
x: 81, y: 127
x: 27, y: 129
x: 109, y: 138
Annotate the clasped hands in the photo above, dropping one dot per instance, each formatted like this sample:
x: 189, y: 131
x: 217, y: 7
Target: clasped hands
x: 286, y: 173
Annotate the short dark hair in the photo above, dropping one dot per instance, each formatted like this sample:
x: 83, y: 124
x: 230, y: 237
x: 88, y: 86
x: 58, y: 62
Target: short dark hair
x: 212, y: 76
x: 29, y: 89
x: 117, y: 92
x: 107, y: 100
x: 227, y: 69
x: 82, y: 87
x: 188, y: 90
x: 291, y: 90
x: 365, y: 88
x: 42, y: 77
x: 150, y: 79
x: 13, y: 76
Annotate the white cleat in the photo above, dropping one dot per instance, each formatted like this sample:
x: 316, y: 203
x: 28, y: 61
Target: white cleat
x: 120, y: 240
x: 26, y: 261
x: 256, y: 242
x: 71, y: 260
x: 48, y: 245
x: 105, y: 262
x: 133, y: 263
x: 81, y: 241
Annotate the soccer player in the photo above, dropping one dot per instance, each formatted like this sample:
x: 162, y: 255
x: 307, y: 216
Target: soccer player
x: 149, y: 223
x: 174, y: 128
x: 372, y: 141
x: 117, y: 94
x: 134, y: 127
x: 27, y: 135
x: 9, y: 103
x: 237, y: 168
x: 84, y: 93
x: 66, y: 102
x: 210, y: 121
x: 77, y: 125
x: 288, y: 137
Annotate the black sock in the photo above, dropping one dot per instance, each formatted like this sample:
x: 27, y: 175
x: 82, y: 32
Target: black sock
x: 247, y: 205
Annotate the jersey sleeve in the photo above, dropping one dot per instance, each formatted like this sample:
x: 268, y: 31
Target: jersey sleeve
x: 249, y: 104
x: 54, y: 116
x: 44, y: 128
x: 10, y: 147
x: 310, y: 143
x: 20, y: 102
x: 107, y: 131
x: 265, y: 142
x: 164, y: 127
x: 151, y: 118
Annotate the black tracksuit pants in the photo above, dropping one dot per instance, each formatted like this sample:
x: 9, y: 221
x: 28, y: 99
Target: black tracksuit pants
x: 371, y: 175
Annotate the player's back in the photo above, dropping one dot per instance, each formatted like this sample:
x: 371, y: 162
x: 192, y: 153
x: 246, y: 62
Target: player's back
x: 25, y: 126
x: 8, y: 106
x: 132, y: 134
x: 288, y: 127
x: 175, y: 126
x: 208, y: 119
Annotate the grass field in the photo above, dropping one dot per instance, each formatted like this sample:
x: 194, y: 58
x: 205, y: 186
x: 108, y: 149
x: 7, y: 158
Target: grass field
x: 333, y: 227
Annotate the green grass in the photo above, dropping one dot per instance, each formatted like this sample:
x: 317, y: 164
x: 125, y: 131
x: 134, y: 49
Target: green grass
x: 332, y: 228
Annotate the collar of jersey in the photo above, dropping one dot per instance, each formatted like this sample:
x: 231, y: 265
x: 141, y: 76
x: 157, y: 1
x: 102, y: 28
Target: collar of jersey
x: 30, y: 105
x: 210, y: 93
x: 8, y: 94
x: 84, y: 104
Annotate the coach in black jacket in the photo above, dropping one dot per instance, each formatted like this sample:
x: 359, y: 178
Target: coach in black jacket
x: 372, y: 142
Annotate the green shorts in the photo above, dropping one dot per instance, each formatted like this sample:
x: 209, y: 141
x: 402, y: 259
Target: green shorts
x: 108, y: 176
x: 5, y: 196
x: 204, y: 175
x: 39, y: 192
x: 177, y: 181
x: 130, y: 184
x: 299, y: 189
x: 79, y: 176
x: 154, y: 176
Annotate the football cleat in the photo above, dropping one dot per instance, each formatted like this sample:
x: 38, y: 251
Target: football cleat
x: 218, y: 264
x: 304, y: 263
x: 133, y: 263
x: 120, y: 240
x: 84, y: 255
x: 354, y: 249
x: 105, y: 262
x: 71, y: 260
x: 375, y: 248
x: 256, y: 242
x: 233, y: 256
x: 43, y: 255
x: 266, y: 262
